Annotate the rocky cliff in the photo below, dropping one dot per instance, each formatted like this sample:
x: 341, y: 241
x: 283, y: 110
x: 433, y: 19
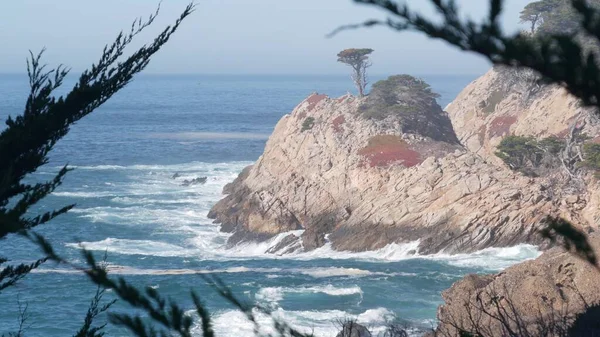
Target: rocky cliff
x: 362, y: 173
x: 506, y: 101
x: 547, y: 296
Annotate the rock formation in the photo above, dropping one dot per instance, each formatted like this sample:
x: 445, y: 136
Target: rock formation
x: 546, y: 293
x: 353, y: 329
x: 362, y: 173
x: 506, y: 101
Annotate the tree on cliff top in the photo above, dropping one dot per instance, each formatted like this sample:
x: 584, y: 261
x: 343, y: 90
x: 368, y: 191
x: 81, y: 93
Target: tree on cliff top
x: 358, y: 59
x: 534, y: 12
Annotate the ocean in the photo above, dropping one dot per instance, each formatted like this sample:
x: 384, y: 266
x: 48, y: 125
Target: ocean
x: 155, y: 232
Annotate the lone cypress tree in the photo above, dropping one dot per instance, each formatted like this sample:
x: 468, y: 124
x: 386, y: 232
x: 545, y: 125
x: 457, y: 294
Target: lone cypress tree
x: 358, y: 59
x: 533, y: 13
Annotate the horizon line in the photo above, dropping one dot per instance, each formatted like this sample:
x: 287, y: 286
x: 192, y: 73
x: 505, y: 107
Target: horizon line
x: 271, y: 74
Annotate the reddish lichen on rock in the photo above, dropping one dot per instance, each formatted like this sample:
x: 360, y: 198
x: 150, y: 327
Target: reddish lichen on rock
x: 337, y: 123
x: 313, y: 100
x: 383, y: 150
x: 500, y: 126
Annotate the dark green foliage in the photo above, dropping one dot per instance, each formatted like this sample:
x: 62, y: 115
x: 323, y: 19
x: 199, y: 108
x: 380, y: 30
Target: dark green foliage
x: 556, y: 16
x: 591, y: 153
x: 308, y: 124
x: 527, y: 155
x: 398, y: 95
x: 552, y: 145
x: 573, y: 240
x: 95, y: 309
x: 411, y: 101
x: 534, y: 13
x: 358, y: 59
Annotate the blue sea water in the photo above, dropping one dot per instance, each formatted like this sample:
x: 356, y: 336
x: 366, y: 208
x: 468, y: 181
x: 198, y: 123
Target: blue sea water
x: 156, y: 233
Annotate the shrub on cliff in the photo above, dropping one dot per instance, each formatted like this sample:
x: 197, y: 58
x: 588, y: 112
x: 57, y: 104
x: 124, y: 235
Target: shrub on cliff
x: 411, y: 101
x: 591, y: 153
x: 398, y: 95
x: 528, y: 155
x: 308, y: 124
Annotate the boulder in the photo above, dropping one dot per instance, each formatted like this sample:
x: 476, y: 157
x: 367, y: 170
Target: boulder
x: 195, y: 181
x: 353, y: 329
x: 557, y: 291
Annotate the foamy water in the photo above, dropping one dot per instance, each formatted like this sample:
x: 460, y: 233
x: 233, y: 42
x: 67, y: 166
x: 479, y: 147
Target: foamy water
x: 156, y: 233
x: 150, y: 198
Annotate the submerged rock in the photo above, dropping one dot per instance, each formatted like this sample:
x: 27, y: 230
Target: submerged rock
x: 195, y: 181
x: 353, y: 329
x: 289, y: 244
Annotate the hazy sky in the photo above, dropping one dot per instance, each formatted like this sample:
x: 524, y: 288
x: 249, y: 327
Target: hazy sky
x: 233, y: 36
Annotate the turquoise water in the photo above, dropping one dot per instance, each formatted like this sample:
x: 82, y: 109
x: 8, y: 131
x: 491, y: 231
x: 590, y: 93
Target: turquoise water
x: 156, y: 232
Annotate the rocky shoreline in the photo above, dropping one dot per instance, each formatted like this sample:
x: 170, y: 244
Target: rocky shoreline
x: 393, y: 167
x: 346, y: 175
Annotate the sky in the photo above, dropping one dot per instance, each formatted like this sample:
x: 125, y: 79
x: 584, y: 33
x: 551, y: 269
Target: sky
x: 234, y: 36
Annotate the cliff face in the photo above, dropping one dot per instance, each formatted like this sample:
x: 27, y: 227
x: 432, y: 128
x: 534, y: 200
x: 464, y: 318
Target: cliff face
x: 343, y: 171
x: 554, y: 288
x: 506, y: 102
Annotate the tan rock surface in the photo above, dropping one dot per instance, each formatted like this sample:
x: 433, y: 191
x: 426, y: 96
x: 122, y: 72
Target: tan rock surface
x: 555, y: 286
x: 367, y: 183
x: 508, y: 101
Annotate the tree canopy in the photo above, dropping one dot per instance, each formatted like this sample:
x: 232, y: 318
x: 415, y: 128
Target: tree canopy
x: 358, y: 59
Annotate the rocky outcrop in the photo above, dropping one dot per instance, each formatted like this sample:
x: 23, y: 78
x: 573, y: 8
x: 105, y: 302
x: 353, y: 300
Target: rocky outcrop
x: 507, y: 101
x: 549, y: 292
x: 353, y: 329
x: 347, y: 175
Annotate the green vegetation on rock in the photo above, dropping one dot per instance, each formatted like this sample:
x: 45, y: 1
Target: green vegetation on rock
x: 358, y: 59
x: 308, y: 124
x: 529, y: 155
x: 591, y: 152
x: 410, y: 101
x: 398, y: 95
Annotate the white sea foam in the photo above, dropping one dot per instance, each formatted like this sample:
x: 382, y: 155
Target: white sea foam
x: 133, y: 247
x: 276, y: 294
x: 151, y: 197
x: 191, y: 166
x: 321, y: 323
x: 333, y: 272
x: 271, y: 272
x: 491, y: 258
